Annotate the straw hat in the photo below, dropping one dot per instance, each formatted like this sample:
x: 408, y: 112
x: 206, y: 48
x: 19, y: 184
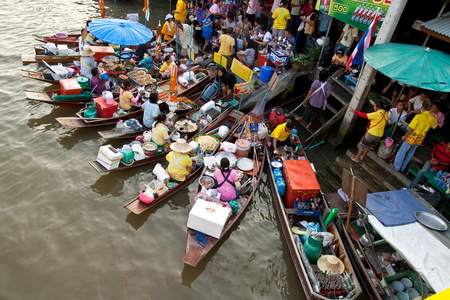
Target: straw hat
x: 168, y: 16
x: 331, y: 264
x: 87, y: 51
x: 181, y: 146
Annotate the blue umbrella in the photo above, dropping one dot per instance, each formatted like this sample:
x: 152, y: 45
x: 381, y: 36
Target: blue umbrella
x: 120, y: 32
x: 414, y: 65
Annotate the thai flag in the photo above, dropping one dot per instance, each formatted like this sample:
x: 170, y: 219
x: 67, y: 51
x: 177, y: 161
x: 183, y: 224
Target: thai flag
x: 357, y: 56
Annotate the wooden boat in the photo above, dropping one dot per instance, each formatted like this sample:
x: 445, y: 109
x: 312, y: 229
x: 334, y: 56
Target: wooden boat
x: 47, y: 97
x: 71, y: 40
x: 112, y: 134
x: 137, y: 207
x: 39, y: 55
x: 368, y: 269
x: 79, y: 121
x: 196, y: 252
x: 39, y: 75
x: 100, y: 168
x: 288, y: 219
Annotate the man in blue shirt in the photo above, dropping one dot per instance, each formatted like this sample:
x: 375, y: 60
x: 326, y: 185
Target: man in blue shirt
x: 324, y: 21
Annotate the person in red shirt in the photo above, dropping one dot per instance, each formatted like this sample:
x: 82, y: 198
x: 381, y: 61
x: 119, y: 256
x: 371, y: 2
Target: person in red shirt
x: 439, y: 160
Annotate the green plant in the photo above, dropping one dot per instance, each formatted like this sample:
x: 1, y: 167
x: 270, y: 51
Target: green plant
x: 377, y: 97
x: 300, y: 61
x: 314, y: 55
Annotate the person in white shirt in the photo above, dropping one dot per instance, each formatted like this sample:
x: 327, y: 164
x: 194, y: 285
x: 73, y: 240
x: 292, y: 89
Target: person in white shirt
x: 393, y: 116
x: 266, y: 39
x: 251, y: 10
x: 415, y: 103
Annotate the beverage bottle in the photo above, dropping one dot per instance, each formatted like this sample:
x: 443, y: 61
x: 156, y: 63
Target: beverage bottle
x: 355, y: 13
x: 438, y: 175
x: 369, y: 17
x: 362, y: 16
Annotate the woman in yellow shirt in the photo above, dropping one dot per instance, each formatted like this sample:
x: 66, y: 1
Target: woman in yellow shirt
x: 160, y: 132
x: 375, y: 128
x: 126, y: 100
x: 281, y: 16
x: 180, y: 12
x: 179, y: 162
x: 168, y: 28
x: 166, y: 67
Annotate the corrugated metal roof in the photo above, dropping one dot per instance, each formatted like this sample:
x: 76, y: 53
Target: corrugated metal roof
x: 440, y: 25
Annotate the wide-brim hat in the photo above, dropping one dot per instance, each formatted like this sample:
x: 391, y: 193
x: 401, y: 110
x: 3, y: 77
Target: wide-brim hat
x: 87, y: 51
x: 331, y: 264
x: 181, y: 146
x: 168, y: 16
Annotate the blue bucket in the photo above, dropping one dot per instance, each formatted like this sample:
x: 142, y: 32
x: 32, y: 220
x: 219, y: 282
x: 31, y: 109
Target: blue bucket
x: 266, y: 73
x: 104, y: 76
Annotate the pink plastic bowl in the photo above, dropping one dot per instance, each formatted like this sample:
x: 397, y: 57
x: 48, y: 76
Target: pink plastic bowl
x: 61, y: 36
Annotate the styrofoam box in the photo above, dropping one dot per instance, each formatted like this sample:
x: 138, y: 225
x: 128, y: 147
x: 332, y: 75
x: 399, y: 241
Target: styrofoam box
x: 208, y: 217
x: 63, y: 49
x: 108, y: 158
x: 60, y: 72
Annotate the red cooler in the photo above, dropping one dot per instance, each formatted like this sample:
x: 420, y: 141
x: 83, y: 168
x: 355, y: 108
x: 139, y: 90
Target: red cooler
x: 301, y: 182
x: 70, y: 87
x: 102, y: 51
x: 104, y: 110
x: 262, y: 60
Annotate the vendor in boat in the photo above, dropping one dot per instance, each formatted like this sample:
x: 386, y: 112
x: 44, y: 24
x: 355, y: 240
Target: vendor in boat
x: 87, y: 62
x: 160, y: 132
x: 98, y: 85
x: 141, y: 50
x: 165, y: 69
x: 151, y: 110
x: 179, y: 161
x: 227, y: 80
x: 281, y: 136
x: 168, y: 28
x: 126, y: 100
x: 228, y: 184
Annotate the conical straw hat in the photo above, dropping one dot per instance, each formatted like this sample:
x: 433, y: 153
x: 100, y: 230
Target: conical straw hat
x: 331, y: 264
x: 181, y: 146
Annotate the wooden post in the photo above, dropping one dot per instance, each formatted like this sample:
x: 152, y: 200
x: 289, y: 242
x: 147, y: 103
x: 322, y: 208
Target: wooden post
x: 350, y: 206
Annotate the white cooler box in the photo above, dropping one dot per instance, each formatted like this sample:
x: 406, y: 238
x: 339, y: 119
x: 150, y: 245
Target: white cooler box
x: 59, y: 72
x: 208, y: 217
x: 63, y: 49
x: 109, y: 157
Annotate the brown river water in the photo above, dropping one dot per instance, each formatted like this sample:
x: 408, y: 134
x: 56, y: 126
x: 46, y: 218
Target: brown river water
x: 64, y: 231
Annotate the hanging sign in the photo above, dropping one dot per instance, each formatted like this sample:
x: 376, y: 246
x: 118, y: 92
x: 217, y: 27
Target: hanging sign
x: 243, y: 88
x: 358, y: 14
x: 220, y: 59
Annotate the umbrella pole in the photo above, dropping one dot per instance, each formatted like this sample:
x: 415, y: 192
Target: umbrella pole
x: 191, y: 49
x: 176, y: 41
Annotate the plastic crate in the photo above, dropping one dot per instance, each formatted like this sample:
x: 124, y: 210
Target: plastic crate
x: 226, y: 104
x: 305, y: 212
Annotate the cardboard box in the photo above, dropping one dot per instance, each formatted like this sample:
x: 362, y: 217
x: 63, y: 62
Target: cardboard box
x: 104, y: 110
x: 109, y: 157
x: 102, y: 51
x: 301, y: 182
x: 70, y: 87
x: 208, y: 217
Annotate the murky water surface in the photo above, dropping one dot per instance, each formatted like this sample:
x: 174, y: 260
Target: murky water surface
x: 64, y: 231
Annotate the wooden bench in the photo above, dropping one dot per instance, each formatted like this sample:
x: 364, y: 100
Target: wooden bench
x: 413, y: 170
x: 438, y: 137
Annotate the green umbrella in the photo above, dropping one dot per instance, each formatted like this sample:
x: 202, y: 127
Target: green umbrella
x: 414, y: 65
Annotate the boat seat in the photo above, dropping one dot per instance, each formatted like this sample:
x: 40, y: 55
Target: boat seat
x: 413, y: 170
x: 438, y: 137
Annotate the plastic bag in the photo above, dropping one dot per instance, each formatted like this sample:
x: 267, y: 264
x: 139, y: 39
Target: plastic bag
x: 148, y: 135
x: 262, y: 131
x: 223, y: 131
x: 138, y: 152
